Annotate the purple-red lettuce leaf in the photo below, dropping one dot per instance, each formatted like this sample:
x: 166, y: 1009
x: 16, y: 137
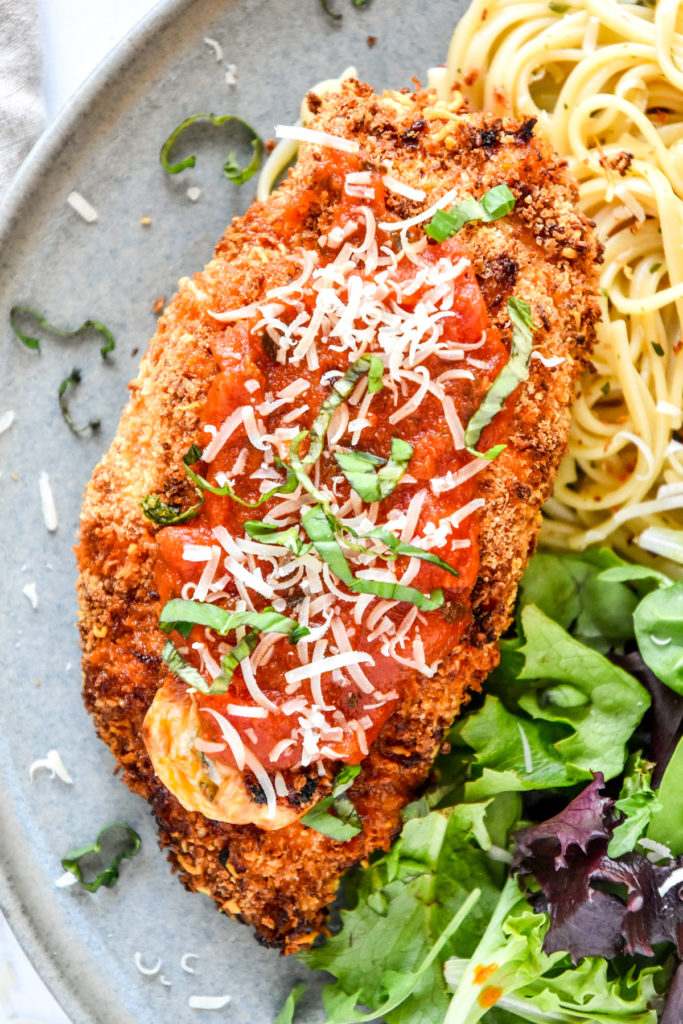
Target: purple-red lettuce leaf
x: 673, y: 1011
x: 598, y: 905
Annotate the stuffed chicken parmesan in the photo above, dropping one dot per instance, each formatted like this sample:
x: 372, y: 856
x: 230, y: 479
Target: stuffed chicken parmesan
x: 299, y: 552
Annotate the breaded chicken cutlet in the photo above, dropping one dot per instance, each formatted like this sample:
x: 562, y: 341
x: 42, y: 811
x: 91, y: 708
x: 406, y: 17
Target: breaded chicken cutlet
x: 330, y: 556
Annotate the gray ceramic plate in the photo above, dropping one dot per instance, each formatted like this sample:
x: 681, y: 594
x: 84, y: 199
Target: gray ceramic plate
x: 106, y: 147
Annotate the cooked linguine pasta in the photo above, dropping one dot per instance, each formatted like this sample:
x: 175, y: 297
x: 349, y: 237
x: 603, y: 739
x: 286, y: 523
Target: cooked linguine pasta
x: 605, y: 81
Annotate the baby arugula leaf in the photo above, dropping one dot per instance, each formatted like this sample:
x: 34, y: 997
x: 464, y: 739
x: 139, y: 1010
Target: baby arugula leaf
x: 617, y: 701
x: 286, y: 1014
x: 341, y: 1008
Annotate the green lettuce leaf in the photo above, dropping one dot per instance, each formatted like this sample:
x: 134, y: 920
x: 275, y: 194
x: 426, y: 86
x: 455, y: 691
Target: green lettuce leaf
x: 659, y: 631
x: 582, y: 594
x: 667, y: 823
x: 400, y: 906
x: 639, y: 803
x: 286, y: 1014
x: 556, y: 711
x: 510, y: 971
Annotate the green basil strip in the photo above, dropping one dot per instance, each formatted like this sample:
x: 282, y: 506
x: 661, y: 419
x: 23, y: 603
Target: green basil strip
x: 399, y: 547
x: 268, y: 533
x: 321, y: 532
x: 328, y: 11
x: 17, y: 312
x: 375, y: 375
x: 298, y: 468
x: 372, y: 484
x: 513, y: 373
x: 177, y: 664
x: 489, y: 455
x: 232, y: 659
x: 113, y: 843
x: 220, y: 684
x: 231, y: 170
x: 360, y: 469
x: 348, y: 822
x: 397, y: 592
x: 200, y: 613
x: 494, y: 204
x: 341, y: 389
x: 161, y: 514
x: 497, y: 202
x: 73, y: 379
x: 194, y: 454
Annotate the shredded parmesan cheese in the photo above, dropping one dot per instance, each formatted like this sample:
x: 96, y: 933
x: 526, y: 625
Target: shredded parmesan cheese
x: 185, y: 964
x: 231, y: 737
x: 301, y: 134
x: 401, y: 189
x: 47, y: 503
x: 208, y: 1002
x: 216, y: 47
x: 53, y: 764
x: 149, y: 971
x: 82, y: 207
x: 6, y: 420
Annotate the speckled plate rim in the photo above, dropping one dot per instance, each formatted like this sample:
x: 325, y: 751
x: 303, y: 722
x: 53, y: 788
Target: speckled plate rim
x: 33, y: 171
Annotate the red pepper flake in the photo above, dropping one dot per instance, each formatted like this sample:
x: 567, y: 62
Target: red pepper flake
x: 270, y: 145
x: 159, y: 304
x: 371, y: 40
x: 482, y: 973
x: 490, y: 996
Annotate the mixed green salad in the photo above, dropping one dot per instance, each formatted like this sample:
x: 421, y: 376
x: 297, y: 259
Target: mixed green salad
x: 539, y: 877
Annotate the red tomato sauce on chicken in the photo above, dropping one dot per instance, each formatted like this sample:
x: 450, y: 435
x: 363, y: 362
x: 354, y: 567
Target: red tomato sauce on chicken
x: 242, y: 357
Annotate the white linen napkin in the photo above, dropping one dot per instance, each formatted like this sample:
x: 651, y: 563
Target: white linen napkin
x: 21, y: 104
